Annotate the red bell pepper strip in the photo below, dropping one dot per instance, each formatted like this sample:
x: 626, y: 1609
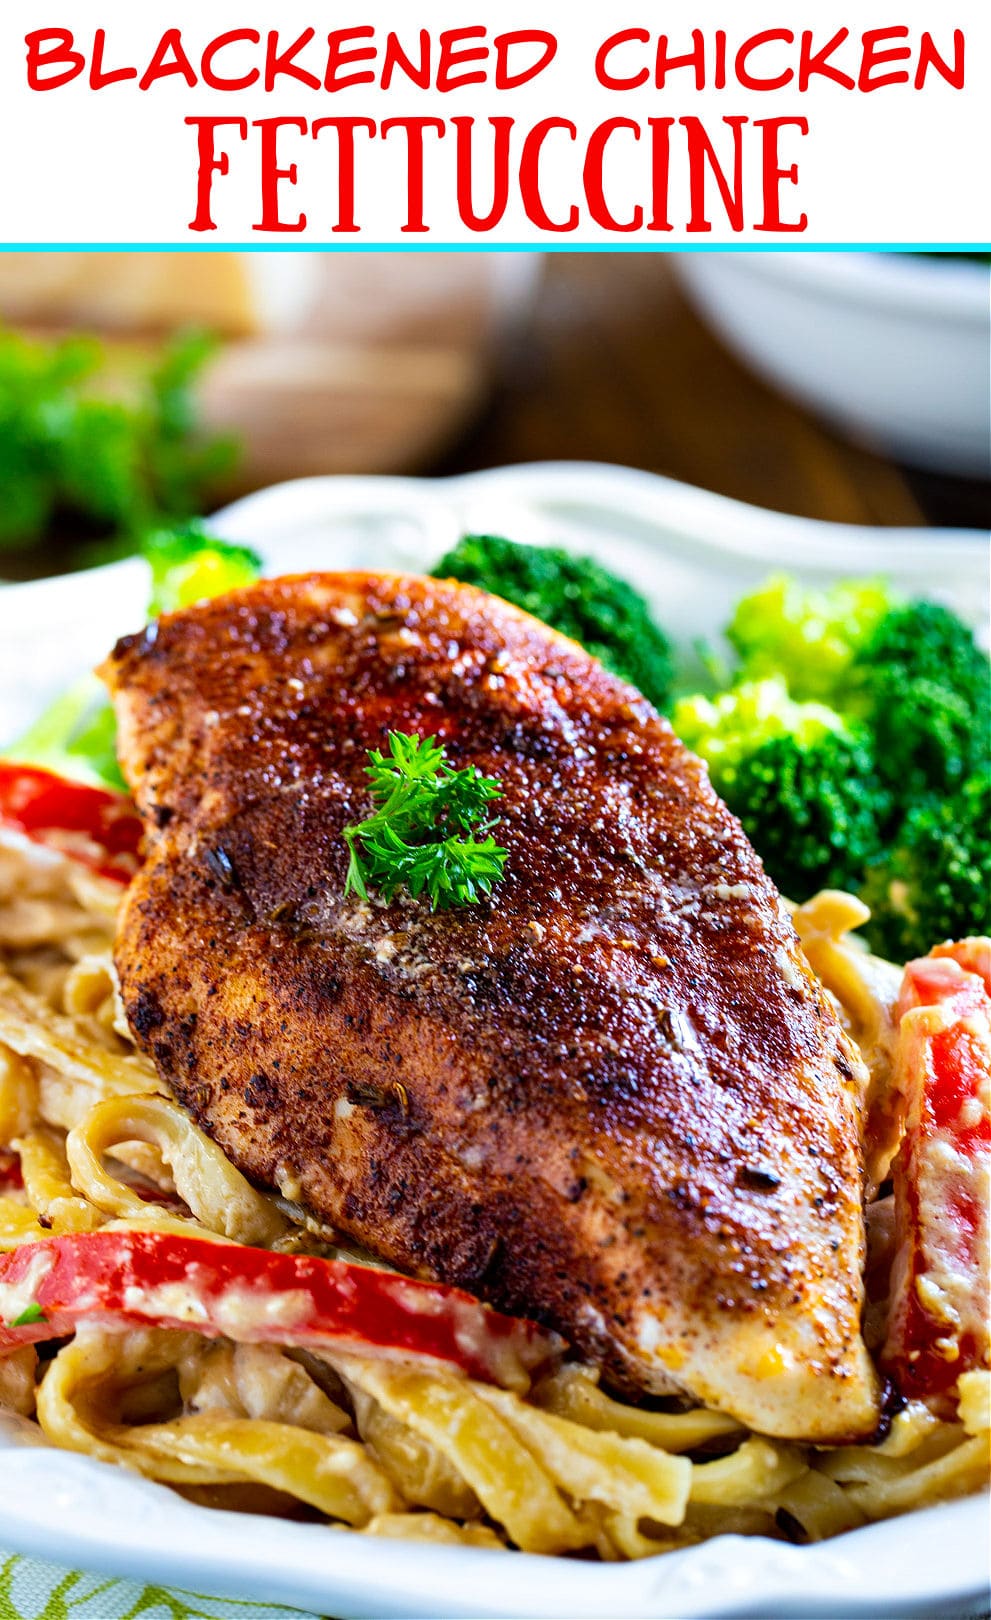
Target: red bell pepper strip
x: 938, y: 1322
x: 101, y: 829
x: 149, y: 1279
x: 973, y: 955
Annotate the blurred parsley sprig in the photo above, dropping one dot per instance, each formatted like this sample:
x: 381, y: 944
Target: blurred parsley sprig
x: 116, y: 465
x: 421, y: 834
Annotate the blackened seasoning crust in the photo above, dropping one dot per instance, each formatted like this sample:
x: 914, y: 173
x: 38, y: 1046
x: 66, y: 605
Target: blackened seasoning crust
x: 613, y: 1097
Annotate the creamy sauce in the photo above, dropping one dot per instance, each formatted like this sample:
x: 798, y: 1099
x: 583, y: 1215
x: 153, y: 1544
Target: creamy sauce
x: 236, y: 1312
x: 176, y: 1301
x: 245, y: 1310
x: 947, y: 1287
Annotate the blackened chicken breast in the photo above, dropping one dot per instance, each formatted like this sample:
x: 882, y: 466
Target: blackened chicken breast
x: 613, y: 1097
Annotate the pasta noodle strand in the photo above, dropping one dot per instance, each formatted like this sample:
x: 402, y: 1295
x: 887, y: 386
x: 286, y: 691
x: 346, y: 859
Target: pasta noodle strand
x: 391, y: 1447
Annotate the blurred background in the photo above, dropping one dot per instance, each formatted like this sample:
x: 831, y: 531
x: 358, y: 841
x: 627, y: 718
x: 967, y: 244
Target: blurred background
x: 137, y: 389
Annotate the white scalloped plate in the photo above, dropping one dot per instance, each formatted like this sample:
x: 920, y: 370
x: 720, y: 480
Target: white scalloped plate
x: 692, y: 554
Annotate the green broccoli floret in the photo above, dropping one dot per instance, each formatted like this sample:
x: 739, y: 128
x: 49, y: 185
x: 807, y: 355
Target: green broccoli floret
x: 910, y: 672
x: 924, y: 687
x: 814, y: 813
x: 902, y: 718
x: 576, y: 596
x: 802, y: 781
x: 936, y: 882
x: 726, y: 729
x: 807, y: 636
x: 188, y: 564
x: 926, y: 639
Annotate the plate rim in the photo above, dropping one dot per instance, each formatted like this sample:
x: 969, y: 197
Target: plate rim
x: 738, y: 526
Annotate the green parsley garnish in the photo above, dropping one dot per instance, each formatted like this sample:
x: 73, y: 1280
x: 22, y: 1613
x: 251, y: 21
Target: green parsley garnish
x: 31, y: 1313
x: 421, y: 836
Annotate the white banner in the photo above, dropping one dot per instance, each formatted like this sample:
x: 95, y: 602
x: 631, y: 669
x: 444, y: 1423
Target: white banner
x: 294, y: 123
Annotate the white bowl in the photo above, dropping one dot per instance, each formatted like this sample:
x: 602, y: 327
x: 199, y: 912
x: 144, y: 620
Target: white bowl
x: 894, y: 348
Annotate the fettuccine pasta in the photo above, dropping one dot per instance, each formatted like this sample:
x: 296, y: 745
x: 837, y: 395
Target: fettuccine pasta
x: 385, y: 1445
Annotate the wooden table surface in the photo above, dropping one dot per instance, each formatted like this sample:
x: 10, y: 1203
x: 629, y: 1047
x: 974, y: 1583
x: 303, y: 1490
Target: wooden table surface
x: 615, y: 366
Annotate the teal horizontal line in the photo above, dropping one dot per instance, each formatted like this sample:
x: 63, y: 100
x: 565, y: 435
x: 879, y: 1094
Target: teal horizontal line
x: 640, y: 246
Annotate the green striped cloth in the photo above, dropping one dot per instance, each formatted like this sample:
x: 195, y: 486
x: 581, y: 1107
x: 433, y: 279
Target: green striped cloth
x: 33, y: 1590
